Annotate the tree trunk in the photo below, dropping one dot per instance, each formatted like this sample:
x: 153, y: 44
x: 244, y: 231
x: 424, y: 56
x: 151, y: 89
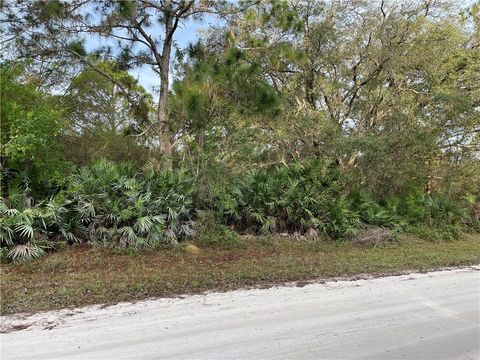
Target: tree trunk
x: 164, y: 133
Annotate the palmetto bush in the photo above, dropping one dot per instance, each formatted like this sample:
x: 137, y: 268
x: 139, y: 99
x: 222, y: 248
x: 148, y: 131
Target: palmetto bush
x: 374, y: 213
x: 27, y: 231
x: 473, y: 210
x: 115, y: 204
x: 290, y: 198
x: 442, y: 209
x: 432, y: 216
x: 434, y: 209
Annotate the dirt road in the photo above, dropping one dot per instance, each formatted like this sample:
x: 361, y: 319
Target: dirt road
x: 418, y: 316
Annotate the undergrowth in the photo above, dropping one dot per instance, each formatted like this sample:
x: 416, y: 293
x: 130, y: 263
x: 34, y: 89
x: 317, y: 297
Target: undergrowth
x: 122, y: 206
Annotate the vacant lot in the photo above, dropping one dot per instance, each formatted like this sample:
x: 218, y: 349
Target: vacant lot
x: 90, y: 275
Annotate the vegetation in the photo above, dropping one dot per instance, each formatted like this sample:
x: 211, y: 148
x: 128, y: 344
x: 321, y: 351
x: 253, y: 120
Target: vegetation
x: 120, y: 205
x: 112, y: 203
x: 25, y: 231
x: 83, y: 275
x: 350, y: 121
x: 292, y: 198
x: 30, y: 127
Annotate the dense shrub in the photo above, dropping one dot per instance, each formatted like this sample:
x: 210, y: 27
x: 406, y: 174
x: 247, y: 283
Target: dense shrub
x: 445, y: 216
x: 430, y: 216
x: 372, y: 212
x: 116, y: 204
x: 27, y: 231
x: 473, y: 220
x: 210, y: 232
x: 290, y: 198
x: 30, y: 125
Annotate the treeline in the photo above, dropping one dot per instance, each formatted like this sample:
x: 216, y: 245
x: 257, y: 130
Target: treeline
x: 301, y: 117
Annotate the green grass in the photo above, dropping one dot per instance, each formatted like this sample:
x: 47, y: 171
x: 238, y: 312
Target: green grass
x: 92, y: 275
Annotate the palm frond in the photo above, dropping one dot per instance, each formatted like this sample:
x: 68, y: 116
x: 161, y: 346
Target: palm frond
x: 24, y: 252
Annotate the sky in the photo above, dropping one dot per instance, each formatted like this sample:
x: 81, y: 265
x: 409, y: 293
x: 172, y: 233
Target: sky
x: 185, y: 34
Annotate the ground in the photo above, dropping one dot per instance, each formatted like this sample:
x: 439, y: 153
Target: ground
x: 86, y: 275
x: 431, y: 315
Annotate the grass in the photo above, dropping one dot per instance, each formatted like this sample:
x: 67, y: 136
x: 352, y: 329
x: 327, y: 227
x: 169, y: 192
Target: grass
x: 86, y: 275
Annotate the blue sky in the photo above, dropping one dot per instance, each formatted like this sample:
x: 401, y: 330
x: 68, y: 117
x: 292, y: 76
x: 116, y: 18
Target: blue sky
x: 188, y: 33
x: 185, y: 34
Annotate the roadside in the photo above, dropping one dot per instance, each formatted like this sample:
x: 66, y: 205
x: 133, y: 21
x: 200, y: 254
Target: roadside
x: 336, y: 319
x: 83, y: 276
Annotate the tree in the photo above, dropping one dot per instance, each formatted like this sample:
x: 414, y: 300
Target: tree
x: 101, y: 122
x: 138, y: 33
x: 389, y: 89
x: 216, y: 99
x: 30, y: 127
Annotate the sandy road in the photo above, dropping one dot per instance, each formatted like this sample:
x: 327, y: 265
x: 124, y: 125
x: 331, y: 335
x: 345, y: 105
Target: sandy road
x: 418, y: 316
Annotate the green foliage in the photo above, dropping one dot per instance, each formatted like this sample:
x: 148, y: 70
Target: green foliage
x: 290, y: 198
x: 121, y: 205
x: 429, y: 209
x: 118, y: 205
x: 393, y: 98
x: 441, y: 209
x: 77, y: 47
x: 444, y: 232
x: 26, y: 231
x: 48, y: 10
x: 444, y: 218
x: 432, y: 216
x: 389, y: 94
x: 101, y: 116
x: 341, y: 220
x: 217, y: 94
x: 211, y: 233
x: 371, y: 212
x: 30, y: 128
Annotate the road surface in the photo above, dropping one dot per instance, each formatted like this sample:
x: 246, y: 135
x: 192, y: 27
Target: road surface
x: 418, y: 316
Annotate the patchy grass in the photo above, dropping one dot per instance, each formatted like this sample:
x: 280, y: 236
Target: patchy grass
x: 91, y: 275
